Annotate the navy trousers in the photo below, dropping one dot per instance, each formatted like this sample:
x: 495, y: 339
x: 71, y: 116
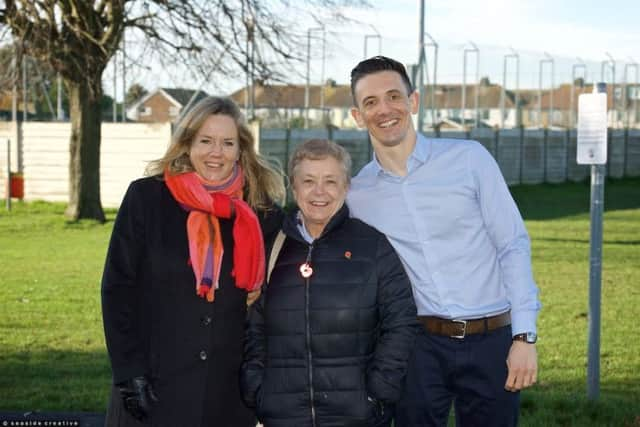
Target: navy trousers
x: 469, y: 373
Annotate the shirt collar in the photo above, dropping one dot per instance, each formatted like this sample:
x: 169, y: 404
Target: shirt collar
x: 418, y: 157
x: 303, y: 228
x: 293, y: 224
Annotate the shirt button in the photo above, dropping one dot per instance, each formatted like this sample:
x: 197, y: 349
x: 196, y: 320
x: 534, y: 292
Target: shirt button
x: 206, y: 320
x: 203, y: 355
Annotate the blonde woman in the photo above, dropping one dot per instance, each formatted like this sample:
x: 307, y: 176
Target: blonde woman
x: 185, y: 259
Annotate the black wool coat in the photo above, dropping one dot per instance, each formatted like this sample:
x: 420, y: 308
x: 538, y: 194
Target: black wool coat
x: 156, y: 325
x: 331, y: 349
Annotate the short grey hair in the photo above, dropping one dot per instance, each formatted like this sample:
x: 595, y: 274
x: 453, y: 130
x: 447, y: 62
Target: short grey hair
x: 319, y: 149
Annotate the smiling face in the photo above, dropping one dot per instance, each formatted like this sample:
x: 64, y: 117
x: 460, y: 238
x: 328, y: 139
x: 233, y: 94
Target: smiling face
x: 215, y: 148
x: 384, y: 107
x: 319, y: 189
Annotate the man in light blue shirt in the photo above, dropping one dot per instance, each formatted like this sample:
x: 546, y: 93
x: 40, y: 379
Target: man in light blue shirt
x: 446, y: 209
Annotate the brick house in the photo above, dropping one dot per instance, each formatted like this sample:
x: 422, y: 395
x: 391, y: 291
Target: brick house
x: 283, y: 105
x: 6, y: 106
x: 163, y: 105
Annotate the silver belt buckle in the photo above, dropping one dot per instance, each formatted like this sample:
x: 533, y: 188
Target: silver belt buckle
x: 464, y: 328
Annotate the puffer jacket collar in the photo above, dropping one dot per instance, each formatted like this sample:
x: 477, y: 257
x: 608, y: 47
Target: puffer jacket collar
x: 290, y: 225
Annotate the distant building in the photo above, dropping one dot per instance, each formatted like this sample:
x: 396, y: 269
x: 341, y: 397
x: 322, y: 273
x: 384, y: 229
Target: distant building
x: 449, y: 111
x: 284, y: 106
x: 163, y: 104
x: 6, y: 106
x: 622, y: 110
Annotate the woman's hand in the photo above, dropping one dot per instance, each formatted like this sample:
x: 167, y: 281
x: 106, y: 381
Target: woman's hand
x: 253, y: 296
x: 138, y: 397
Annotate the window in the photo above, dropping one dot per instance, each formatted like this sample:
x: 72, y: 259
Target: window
x: 144, y: 111
x: 618, y: 93
x: 174, y: 111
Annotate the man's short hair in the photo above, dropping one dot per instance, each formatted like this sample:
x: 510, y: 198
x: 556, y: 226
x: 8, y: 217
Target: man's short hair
x: 375, y: 65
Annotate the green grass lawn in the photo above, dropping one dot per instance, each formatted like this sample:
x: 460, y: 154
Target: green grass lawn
x: 52, y: 351
x: 557, y: 218
x: 53, y: 357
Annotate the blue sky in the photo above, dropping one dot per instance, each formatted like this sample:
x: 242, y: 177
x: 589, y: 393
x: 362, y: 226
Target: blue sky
x: 564, y: 29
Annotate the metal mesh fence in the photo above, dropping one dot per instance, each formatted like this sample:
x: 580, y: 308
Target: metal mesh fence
x: 524, y: 156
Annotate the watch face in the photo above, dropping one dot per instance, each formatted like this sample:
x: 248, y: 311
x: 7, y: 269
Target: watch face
x: 528, y: 337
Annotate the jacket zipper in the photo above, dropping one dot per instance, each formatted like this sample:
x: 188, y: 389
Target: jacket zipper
x: 308, y: 339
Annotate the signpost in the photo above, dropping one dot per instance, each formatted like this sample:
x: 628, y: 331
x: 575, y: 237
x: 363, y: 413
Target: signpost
x: 592, y: 150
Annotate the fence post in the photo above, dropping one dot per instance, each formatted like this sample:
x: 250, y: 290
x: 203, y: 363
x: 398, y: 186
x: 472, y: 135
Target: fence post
x: 521, y: 163
x: 545, y: 150
x: 285, y: 163
x: 287, y: 142
x: 567, y: 140
x: 607, y: 172
x: 330, y: 132
x: 625, y: 152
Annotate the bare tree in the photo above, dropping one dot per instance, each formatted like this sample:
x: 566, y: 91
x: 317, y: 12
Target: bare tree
x: 134, y: 93
x: 215, y: 37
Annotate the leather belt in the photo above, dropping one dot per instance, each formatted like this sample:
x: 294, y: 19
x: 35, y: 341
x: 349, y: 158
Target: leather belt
x: 456, y: 328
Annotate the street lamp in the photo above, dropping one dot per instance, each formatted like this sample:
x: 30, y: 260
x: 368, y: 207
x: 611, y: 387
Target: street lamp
x: 503, y: 93
x: 372, y: 36
x: 422, y: 65
x: 14, y: 84
x: 114, y: 106
x: 574, y: 68
x: 306, y: 89
x: 472, y: 49
x: 548, y: 60
x: 249, y: 96
x: 25, y: 100
x: 633, y: 65
x: 322, y: 82
x: 124, y: 79
x: 611, y: 64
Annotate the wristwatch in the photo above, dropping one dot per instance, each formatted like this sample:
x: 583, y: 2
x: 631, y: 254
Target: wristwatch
x: 528, y: 337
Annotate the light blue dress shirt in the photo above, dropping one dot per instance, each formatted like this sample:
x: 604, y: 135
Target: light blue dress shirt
x: 457, y: 230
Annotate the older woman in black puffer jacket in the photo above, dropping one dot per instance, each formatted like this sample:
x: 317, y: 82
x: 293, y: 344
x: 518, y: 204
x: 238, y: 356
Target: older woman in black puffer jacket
x: 328, y: 343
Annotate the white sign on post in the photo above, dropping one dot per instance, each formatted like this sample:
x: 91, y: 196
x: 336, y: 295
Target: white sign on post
x: 592, y: 129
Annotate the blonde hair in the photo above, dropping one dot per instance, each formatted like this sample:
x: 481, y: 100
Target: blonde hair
x: 264, y: 183
x: 319, y: 149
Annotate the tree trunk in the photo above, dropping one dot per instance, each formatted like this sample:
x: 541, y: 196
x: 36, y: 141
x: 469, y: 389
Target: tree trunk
x: 84, y: 147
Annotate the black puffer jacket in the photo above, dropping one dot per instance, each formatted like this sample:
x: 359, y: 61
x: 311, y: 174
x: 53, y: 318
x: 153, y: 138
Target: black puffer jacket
x: 329, y: 350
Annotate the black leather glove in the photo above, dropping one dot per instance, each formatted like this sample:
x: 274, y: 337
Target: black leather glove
x: 138, y: 397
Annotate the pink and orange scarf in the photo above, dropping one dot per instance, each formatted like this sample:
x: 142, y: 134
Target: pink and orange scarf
x: 205, y: 205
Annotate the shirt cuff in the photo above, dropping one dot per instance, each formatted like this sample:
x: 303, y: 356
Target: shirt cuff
x: 523, y: 321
